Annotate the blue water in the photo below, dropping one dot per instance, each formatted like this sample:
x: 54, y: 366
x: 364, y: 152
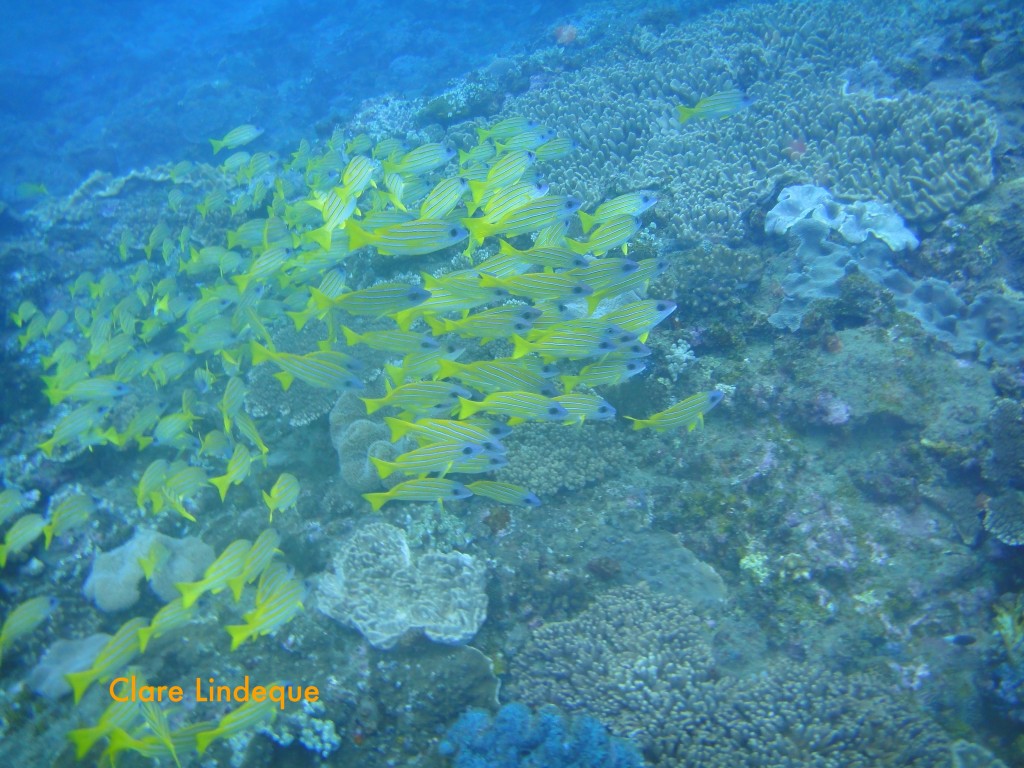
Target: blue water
x: 827, y: 570
x: 120, y: 85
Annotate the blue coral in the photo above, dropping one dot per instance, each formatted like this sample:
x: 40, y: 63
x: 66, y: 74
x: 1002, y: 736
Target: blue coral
x: 515, y: 738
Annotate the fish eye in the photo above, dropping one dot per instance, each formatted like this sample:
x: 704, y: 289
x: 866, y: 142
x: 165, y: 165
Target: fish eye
x: 577, y: 289
x: 606, y: 345
x: 453, y: 232
x: 661, y: 306
x: 467, y: 450
x: 456, y: 492
x: 602, y: 409
x: 554, y: 410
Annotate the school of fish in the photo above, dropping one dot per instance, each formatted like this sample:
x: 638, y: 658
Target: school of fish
x: 155, y: 356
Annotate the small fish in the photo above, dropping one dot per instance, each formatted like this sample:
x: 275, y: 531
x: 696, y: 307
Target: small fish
x: 687, y: 413
x: 583, y: 406
x: 519, y: 406
x: 20, y: 535
x: 376, y: 301
x: 505, y: 200
x: 421, y: 489
x: 256, y: 561
x: 278, y: 608
x: 448, y: 430
x: 505, y: 172
x: 491, y: 324
x: 71, y: 512
x: 433, y: 457
x: 322, y: 369
x: 11, y: 503
x: 417, y: 396
x: 155, y: 556
x: 443, y: 198
x: 565, y: 342
x: 556, y: 149
x: 172, y: 616
x: 507, y: 128
x: 538, y: 286
x: 722, y: 104
x: 236, y: 137
x: 629, y: 204
x: 423, y: 159
x: 640, y: 317
x: 118, y: 715
x: 227, y: 566
x: 237, y: 470
x: 23, y: 620
x: 412, y: 238
x: 113, y: 657
x: 611, y: 370
x: 398, y: 342
x: 498, y: 375
x: 504, y: 493
x: 611, y: 234
x: 283, y: 495
x: 245, y: 718
x: 961, y: 640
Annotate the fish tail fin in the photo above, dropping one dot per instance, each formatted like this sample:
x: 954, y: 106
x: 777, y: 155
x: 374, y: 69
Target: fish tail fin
x: 468, y: 407
x: 478, y: 229
x: 285, y: 378
x: 48, y: 535
x: 577, y: 246
x: 685, y: 113
x: 260, y: 354
x: 80, y: 682
x: 373, y: 404
x: 321, y: 236
x: 239, y: 634
x: 351, y: 337
x: 377, y: 500
x: 639, y: 423
x: 357, y: 236
x: 569, y: 383
x: 520, y: 346
x: 206, y: 738
x: 217, y: 145
x: 399, y: 428
x: 446, y: 369
x: 437, y: 325
x: 236, y: 584
x: 477, y: 189
x: 190, y: 592
x: 84, y: 738
x: 145, y: 635
x: 587, y: 220
x: 384, y: 468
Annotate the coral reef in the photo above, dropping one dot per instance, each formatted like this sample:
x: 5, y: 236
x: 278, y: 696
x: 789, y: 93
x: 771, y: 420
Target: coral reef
x: 925, y: 154
x: 550, y: 459
x: 991, y: 326
x: 1004, y: 517
x: 514, y: 737
x: 383, y: 591
x: 643, y: 664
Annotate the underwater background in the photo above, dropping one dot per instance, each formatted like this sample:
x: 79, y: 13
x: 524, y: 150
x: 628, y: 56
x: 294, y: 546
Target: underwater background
x: 590, y: 384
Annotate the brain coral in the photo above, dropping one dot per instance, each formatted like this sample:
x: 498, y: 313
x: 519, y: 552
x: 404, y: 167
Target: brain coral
x: 924, y: 154
x: 643, y: 664
x: 382, y: 590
